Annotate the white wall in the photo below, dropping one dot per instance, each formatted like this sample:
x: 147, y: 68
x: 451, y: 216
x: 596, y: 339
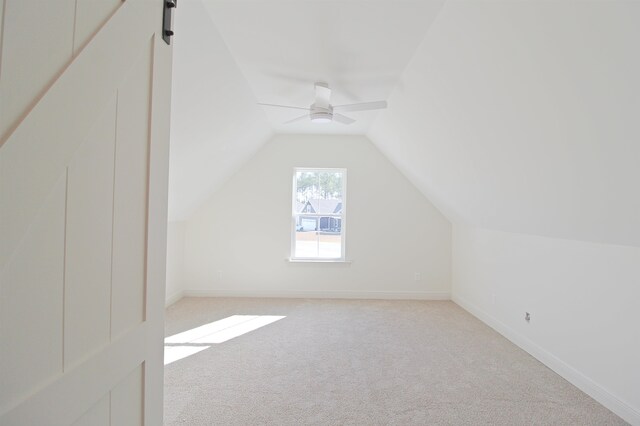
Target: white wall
x: 237, y: 243
x: 583, y: 299
x: 175, y: 262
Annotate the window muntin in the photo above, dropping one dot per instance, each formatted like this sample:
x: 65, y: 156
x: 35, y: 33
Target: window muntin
x: 318, y: 219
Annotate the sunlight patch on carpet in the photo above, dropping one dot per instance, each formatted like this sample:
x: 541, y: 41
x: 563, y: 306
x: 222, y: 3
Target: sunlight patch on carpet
x: 197, y: 339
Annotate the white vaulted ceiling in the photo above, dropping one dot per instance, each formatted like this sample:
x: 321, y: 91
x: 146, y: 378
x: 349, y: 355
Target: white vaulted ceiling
x: 215, y: 122
x: 525, y: 117
x: 514, y: 115
x: 360, y: 48
x: 231, y: 54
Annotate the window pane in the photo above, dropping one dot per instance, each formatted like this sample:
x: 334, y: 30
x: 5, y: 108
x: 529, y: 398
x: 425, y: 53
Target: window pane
x: 306, y: 238
x: 329, y: 194
x: 306, y: 186
x: 330, y: 185
x: 330, y: 245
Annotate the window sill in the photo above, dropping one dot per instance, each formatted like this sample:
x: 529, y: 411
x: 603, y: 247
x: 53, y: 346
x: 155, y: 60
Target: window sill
x: 334, y: 261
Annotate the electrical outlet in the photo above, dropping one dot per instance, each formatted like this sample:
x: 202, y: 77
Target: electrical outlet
x: 417, y: 276
x: 527, y: 316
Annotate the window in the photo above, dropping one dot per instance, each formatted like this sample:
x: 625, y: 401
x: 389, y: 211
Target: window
x: 318, y: 214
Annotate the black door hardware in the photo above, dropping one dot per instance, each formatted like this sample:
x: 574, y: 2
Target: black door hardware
x: 167, y: 20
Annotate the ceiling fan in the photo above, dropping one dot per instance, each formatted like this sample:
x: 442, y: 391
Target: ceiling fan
x: 321, y: 111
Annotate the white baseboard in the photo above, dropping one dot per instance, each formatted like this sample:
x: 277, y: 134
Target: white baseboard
x: 174, y: 298
x: 401, y: 295
x: 572, y: 375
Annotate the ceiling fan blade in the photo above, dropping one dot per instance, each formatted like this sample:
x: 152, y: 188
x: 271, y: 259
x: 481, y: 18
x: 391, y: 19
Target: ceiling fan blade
x: 363, y: 106
x: 323, y: 95
x: 302, y: 117
x: 283, y: 106
x: 342, y: 119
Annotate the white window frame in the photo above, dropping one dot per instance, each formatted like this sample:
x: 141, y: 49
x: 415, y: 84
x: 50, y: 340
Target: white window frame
x: 342, y: 216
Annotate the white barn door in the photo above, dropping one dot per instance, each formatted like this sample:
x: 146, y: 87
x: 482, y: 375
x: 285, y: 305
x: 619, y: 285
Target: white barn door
x: 84, y: 112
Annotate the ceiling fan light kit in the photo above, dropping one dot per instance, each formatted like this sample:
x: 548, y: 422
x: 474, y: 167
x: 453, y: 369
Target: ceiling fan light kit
x: 319, y: 115
x: 321, y: 111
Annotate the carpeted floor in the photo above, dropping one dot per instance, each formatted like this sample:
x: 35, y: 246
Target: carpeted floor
x: 362, y: 362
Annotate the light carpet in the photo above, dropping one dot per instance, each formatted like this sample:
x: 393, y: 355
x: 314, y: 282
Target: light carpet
x: 362, y: 362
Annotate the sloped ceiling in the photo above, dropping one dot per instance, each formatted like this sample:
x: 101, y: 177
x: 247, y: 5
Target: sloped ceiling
x: 521, y: 116
x: 231, y: 54
x: 525, y: 116
x: 216, y: 125
x: 360, y: 48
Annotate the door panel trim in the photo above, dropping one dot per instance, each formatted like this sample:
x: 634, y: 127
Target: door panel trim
x: 72, y: 95
x: 67, y: 396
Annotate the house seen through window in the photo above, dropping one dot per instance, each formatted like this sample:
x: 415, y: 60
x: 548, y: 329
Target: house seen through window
x: 318, y: 214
